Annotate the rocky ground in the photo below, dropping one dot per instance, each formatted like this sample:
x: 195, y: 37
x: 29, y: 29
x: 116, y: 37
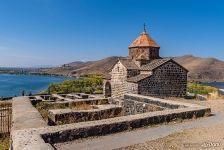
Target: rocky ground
x: 210, y: 137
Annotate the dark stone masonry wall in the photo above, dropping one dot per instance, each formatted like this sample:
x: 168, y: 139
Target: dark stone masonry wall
x: 132, y: 107
x: 38, y: 136
x: 154, y: 101
x: 132, y: 73
x: 119, y: 124
x: 169, y: 80
x: 132, y: 88
x: 66, y: 116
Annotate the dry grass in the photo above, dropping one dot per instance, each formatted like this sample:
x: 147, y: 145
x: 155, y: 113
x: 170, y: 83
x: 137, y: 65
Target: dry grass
x: 43, y: 107
x: 4, y: 143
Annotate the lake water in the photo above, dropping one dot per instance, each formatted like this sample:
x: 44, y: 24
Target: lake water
x: 11, y: 85
x: 219, y: 85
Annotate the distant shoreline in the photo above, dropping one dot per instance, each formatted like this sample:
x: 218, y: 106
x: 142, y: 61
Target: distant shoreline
x: 39, y: 74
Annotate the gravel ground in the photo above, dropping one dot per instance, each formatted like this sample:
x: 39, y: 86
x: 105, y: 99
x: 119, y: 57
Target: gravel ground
x: 210, y: 137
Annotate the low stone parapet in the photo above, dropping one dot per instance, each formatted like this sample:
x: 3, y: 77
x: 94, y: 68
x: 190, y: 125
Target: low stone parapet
x: 132, y: 107
x: 98, y: 112
x: 39, y: 136
x: 70, y: 132
x: 155, y: 101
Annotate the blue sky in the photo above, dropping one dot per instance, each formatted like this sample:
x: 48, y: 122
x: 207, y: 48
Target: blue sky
x: 54, y: 32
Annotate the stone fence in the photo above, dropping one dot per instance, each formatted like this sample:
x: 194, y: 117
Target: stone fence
x: 31, y: 132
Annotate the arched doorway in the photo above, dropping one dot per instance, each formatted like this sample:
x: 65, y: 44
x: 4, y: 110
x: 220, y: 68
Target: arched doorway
x: 107, y: 89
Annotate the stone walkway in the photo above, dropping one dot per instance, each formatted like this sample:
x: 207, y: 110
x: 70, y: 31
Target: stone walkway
x: 140, y: 135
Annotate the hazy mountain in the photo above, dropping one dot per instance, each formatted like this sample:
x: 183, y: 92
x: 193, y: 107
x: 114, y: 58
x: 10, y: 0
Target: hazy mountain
x: 202, y: 69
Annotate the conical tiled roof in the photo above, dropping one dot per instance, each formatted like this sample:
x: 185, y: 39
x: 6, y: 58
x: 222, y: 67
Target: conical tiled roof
x: 144, y: 40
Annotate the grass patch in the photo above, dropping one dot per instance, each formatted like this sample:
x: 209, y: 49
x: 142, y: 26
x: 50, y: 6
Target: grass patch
x: 201, y: 89
x: 4, y: 143
x: 43, y: 108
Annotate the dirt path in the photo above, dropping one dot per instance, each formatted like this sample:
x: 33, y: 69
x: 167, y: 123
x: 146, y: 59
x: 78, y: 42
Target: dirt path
x: 186, y: 135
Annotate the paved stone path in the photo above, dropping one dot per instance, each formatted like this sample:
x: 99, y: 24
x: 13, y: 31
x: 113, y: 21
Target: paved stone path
x: 140, y: 135
x: 26, y: 116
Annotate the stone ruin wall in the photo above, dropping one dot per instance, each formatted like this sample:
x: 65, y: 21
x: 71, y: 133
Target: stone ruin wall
x: 132, y: 88
x: 33, y: 133
x: 118, y: 81
x: 68, y: 116
x: 133, y: 107
x: 169, y: 80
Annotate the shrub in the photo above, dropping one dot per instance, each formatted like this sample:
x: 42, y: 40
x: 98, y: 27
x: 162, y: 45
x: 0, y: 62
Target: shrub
x: 86, y: 84
x: 198, y: 88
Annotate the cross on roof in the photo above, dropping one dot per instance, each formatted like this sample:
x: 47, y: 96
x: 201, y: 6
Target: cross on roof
x: 144, y: 27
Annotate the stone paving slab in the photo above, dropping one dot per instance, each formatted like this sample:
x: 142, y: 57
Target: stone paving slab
x: 24, y: 115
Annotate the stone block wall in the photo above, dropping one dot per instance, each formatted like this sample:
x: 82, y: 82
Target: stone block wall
x: 132, y: 73
x: 36, y: 135
x: 132, y: 107
x: 150, y: 53
x: 169, y: 80
x: 154, y: 101
x: 66, y: 116
x: 132, y: 88
x: 119, y: 124
x: 118, y: 80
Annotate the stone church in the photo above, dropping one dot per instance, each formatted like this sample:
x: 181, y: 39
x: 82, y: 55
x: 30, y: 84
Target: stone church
x: 145, y: 72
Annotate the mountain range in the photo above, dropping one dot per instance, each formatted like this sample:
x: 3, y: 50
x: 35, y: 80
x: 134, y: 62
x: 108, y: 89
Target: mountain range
x: 200, y: 69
